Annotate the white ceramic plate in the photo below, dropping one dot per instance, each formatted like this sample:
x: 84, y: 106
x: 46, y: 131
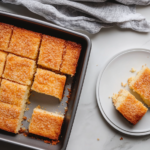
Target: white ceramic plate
x: 117, y: 70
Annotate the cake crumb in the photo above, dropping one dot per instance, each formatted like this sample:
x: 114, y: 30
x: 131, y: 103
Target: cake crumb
x: 29, y: 120
x: 121, y: 138
x: 132, y: 70
x: 69, y: 90
x: 28, y: 102
x: 22, y: 130
x: 27, y: 109
x: 38, y: 106
x: 24, y: 118
x: 124, y: 85
x: 97, y: 139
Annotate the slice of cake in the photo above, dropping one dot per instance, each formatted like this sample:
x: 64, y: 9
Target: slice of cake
x: 132, y: 109
x: 20, y: 70
x: 141, y: 84
x: 14, y: 93
x: 3, y: 56
x: 46, y: 124
x: 70, y: 58
x: 10, y: 117
x: 49, y: 83
x: 24, y: 43
x: 51, y: 52
x: 5, y: 35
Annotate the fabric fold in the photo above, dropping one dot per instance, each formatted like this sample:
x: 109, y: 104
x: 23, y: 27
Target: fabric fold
x: 87, y: 16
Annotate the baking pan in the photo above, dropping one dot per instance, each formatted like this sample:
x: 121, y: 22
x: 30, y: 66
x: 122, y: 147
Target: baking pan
x: 47, y: 102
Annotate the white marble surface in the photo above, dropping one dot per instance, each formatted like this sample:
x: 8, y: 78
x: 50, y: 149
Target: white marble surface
x: 89, y: 123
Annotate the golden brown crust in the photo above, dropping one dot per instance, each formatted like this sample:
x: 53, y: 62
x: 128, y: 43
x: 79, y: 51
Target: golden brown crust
x: 142, y: 84
x: 20, y: 70
x: 25, y: 43
x: 12, y: 93
x: 49, y: 83
x: 132, y: 109
x: 46, y: 124
x: 51, y: 52
x: 5, y: 34
x: 3, y: 56
x: 9, y: 117
x: 70, y: 58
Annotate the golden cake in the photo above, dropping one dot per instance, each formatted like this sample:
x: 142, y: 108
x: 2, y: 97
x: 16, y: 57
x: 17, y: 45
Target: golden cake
x: 141, y: 84
x: 49, y: 83
x: 14, y: 93
x: 24, y: 43
x: 10, y: 117
x: 70, y: 58
x: 20, y: 70
x: 3, y: 56
x: 132, y: 109
x: 5, y: 35
x: 46, y: 124
x: 51, y: 52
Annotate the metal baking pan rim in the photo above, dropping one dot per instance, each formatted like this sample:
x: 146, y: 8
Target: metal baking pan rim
x: 89, y: 45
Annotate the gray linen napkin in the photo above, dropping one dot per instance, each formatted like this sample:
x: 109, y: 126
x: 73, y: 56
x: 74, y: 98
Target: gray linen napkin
x: 88, y: 16
x: 126, y: 2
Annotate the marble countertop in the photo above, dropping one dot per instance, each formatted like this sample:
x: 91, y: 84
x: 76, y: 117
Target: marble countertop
x: 89, y: 124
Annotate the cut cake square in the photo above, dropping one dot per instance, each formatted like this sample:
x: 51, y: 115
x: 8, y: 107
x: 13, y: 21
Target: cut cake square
x: 10, y: 117
x: 24, y: 43
x: 141, y: 84
x: 20, y: 70
x: 46, y: 124
x: 3, y: 56
x: 70, y: 58
x: 5, y: 35
x: 14, y: 93
x: 51, y: 52
x: 49, y: 83
x: 132, y: 109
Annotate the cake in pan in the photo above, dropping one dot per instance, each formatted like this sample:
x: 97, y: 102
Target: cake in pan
x: 70, y: 58
x: 14, y: 93
x: 141, y: 84
x: 46, y: 124
x: 51, y: 52
x: 49, y: 83
x: 5, y: 35
x: 24, y: 43
x: 10, y: 117
x: 20, y: 70
x: 132, y: 109
x: 3, y: 56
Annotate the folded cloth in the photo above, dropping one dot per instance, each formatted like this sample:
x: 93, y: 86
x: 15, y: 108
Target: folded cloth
x: 87, y: 16
x: 126, y: 2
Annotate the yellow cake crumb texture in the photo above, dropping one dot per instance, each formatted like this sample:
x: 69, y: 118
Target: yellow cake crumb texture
x: 132, y: 70
x: 124, y: 85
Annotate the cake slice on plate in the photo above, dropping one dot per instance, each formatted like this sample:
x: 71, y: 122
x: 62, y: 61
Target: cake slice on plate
x: 132, y: 109
x: 46, y: 124
x: 141, y: 84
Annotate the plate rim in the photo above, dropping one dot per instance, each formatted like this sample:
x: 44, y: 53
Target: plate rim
x: 97, y: 91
